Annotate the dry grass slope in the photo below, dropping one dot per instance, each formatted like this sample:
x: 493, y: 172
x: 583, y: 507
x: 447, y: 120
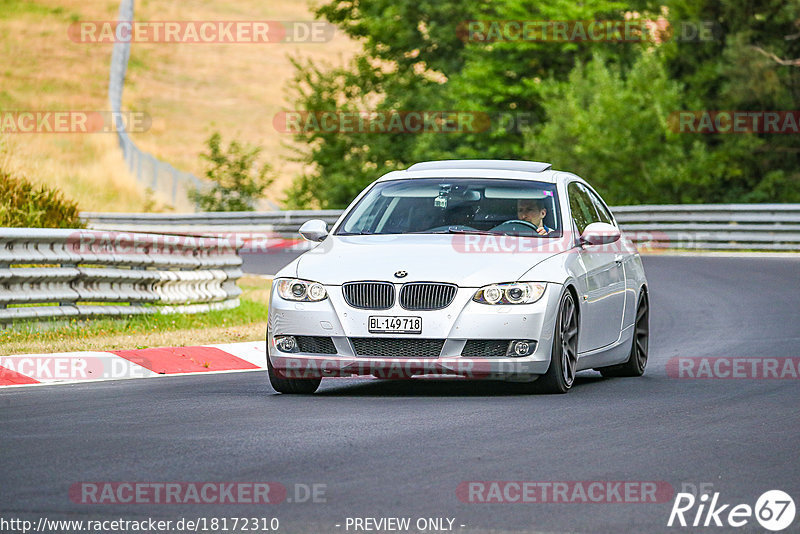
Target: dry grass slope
x: 189, y: 90
x: 43, y: 70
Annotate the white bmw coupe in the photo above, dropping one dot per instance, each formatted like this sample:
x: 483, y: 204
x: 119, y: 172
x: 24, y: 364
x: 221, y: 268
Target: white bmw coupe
x: 483, y: 269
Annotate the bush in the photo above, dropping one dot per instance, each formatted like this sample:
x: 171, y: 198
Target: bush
x: 25, y: 205
x: 237, y: 180
x: 613, y: 130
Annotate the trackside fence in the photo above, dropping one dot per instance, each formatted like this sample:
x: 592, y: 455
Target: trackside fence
x: 152, y: 173
x: 765, y: 227
x: 760, y: 227
x: 48, y: 274
x: 280, y: 224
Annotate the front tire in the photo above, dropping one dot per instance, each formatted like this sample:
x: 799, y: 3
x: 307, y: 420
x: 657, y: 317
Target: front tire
x: 564, y: 357
x: 283, y: 384
x: 637, y: 358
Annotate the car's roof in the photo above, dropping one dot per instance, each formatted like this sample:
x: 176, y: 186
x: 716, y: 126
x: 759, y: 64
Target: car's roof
x: 493, y: 164
x: 477, y: 168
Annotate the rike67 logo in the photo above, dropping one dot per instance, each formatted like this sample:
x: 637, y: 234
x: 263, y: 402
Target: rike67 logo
x: 774, y: 510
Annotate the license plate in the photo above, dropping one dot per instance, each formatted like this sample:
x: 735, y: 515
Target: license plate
x: 395, y: 324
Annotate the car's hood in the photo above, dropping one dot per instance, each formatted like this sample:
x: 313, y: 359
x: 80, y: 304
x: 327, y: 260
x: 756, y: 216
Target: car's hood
x: 467, y: 260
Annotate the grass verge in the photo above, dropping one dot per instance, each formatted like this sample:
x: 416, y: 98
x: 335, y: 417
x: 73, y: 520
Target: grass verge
x: 248, y: 322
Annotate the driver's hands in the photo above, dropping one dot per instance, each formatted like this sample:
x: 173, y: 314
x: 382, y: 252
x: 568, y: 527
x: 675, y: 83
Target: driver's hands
x: 541, y: 230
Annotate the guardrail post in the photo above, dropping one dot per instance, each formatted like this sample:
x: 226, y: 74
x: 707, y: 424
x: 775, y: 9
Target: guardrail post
x: 154, y: 185
x: 129, y: 155
x: 116, y: 84
x: 174, y: 185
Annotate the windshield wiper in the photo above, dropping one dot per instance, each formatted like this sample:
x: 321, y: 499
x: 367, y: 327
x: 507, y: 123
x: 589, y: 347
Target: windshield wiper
x: 480, y: 232
x: 452, y: 230
x: 360, y: 232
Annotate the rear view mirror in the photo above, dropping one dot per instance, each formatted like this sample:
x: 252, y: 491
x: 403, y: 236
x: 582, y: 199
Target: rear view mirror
x: 600, y: 233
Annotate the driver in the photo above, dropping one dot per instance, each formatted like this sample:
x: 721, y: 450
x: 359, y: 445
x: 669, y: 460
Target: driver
x: 533, y: 210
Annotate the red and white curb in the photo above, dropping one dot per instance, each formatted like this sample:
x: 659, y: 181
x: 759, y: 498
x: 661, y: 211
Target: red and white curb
x: 74, y: 367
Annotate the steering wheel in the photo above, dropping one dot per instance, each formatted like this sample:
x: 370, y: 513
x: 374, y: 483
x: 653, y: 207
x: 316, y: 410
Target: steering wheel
x: 517, y: 221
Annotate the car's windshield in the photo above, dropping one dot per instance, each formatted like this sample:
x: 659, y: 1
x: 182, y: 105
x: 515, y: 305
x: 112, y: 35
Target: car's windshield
x: 456, y: 205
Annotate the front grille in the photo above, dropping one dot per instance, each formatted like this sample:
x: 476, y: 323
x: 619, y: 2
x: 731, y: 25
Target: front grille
x: 369, y: 295
x: 485, y: 348
x: 427, y: 295
x: 315, y: 345
x: 397, y: 347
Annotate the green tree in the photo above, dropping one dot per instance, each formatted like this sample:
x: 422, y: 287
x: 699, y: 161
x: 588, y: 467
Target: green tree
x: 743, y: 67
x: 615, y: 131
x: 504, y: 76
x: 237, y: 180
x: 340, y: 164
x: 417, y: 57
x: 409, y: 48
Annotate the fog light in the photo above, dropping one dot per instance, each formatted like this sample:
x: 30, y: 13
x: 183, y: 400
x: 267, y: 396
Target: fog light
x: 286, y: 343
x: 522, y: 347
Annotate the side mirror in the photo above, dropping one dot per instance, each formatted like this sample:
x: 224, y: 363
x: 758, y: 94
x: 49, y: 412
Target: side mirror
x: 314, y: 230
x: 600, y: 233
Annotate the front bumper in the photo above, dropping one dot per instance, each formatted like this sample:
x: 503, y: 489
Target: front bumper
x: 461, y: 321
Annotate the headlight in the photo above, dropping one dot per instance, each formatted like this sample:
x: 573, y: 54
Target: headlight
x: 511, y: 293
x: 301, y: 290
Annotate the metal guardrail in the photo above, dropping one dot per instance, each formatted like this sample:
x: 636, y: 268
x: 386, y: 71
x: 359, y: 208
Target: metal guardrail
x: 695, y: 226
x: 279, y: 223
x: 84, y: 273
x: 713, y: 226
